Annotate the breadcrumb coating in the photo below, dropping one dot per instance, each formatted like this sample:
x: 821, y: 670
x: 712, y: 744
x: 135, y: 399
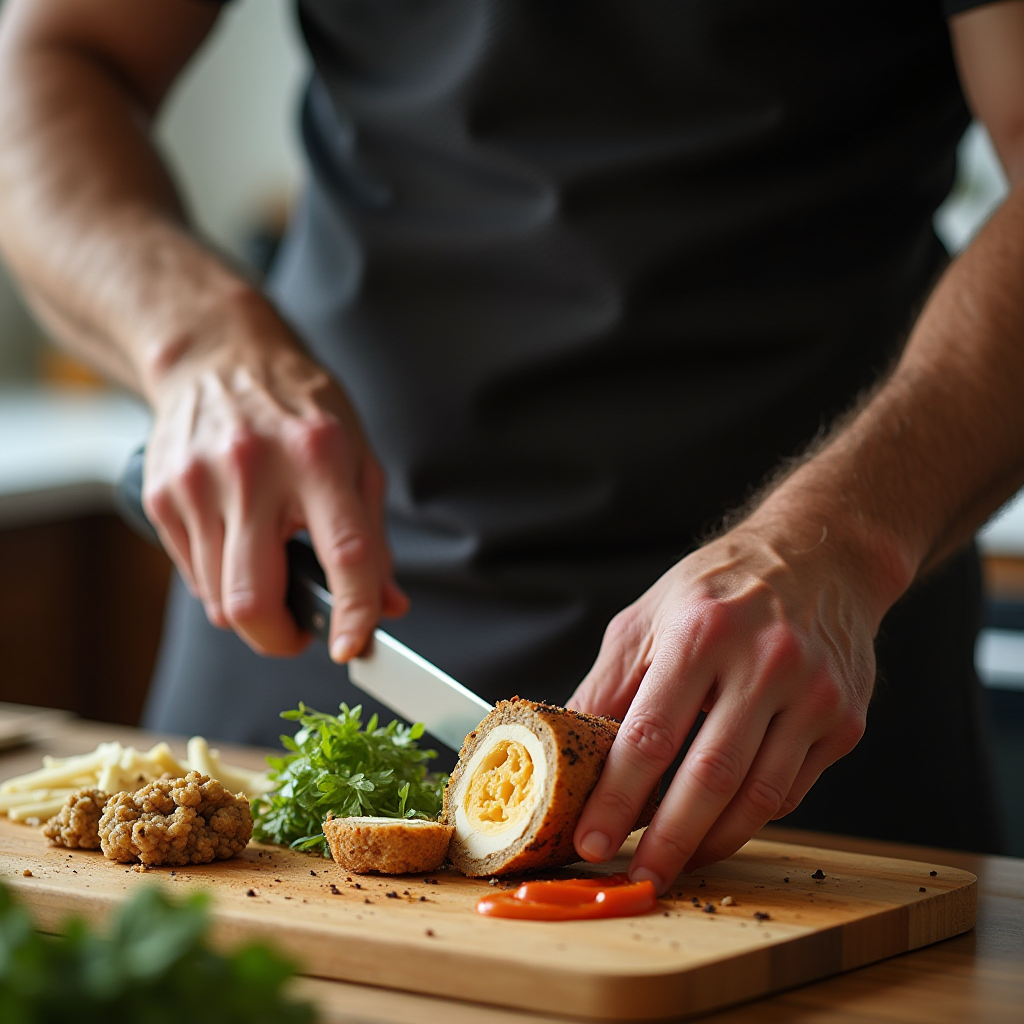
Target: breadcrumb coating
x: 193, y: 820
x: 387, y: 846
x: 77, y: 824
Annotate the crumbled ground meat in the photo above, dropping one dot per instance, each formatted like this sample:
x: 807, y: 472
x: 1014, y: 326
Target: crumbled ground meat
x: 193, y: 820
x: 77, y: 824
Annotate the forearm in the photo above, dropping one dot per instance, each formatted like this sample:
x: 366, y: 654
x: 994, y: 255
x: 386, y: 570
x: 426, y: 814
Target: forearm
x: 91, y: 223
x: 769, y: 628
x: 940, y: 445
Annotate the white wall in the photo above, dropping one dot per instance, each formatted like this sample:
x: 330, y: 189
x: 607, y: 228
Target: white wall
x: 979, y: 189
x: 230, y: 129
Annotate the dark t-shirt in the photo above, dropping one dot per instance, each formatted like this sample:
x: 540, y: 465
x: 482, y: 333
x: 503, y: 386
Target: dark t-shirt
x: 589, y: 269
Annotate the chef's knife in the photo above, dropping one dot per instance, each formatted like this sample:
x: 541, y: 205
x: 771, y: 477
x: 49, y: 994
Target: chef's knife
x: 388, y: 670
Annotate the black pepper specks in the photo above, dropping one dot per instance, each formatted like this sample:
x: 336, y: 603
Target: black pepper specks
x: 933, y: 873
x: 392, y: 895
x: 819, y: 874
x: 922, y: 889
x: 760, y: 915
x: 709, y: 908
x: 250, y: 892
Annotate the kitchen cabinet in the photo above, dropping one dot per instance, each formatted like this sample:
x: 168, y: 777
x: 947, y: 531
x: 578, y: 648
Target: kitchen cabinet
x: 81, y: 607
x: 81, y: 597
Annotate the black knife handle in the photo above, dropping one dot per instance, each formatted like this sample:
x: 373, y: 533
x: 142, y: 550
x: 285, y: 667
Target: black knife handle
x: 307, y: 597
x: 128, y: 498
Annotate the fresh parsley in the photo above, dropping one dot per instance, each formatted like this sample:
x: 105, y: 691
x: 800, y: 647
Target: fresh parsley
x: 337, y: 766
x: 154, y: 964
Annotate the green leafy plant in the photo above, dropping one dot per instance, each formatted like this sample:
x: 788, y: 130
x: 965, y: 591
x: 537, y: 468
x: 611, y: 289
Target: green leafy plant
x: 337, y: 766
x: 154, y: 964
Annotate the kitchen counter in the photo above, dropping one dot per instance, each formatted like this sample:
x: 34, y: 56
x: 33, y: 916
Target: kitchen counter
x: 63, y: 449
x: 976, y: 977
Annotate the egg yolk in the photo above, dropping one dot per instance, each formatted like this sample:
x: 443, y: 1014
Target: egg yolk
x: 500, y: 791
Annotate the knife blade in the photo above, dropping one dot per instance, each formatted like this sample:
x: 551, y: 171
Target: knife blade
x: 388, y: 671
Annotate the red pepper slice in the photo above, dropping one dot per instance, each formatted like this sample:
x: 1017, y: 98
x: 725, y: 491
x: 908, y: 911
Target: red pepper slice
x: 573, y: 899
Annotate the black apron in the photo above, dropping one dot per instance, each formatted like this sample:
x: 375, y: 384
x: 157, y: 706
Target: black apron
x: 588, y: 270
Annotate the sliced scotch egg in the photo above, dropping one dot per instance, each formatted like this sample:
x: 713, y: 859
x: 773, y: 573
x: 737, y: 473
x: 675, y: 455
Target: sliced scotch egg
x: 387, y: 846
x: 519, y: 788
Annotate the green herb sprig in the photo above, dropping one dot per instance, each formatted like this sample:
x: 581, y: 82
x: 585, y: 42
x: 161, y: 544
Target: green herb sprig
x: 337, y: 766
x: 153, y: 964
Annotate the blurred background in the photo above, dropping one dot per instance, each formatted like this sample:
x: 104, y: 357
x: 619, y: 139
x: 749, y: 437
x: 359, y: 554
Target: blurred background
x: 81, y: 597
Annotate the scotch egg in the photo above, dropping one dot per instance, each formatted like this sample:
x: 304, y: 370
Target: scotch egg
x: 523, y: 777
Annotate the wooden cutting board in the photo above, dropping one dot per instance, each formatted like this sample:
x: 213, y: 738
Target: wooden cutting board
x: 421, y: 933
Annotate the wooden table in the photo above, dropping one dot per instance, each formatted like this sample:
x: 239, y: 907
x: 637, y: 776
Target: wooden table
x: 975, y: 978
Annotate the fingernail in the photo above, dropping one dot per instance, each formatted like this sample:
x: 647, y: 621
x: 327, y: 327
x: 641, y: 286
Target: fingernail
x: 596, y: 845
x: 345, y: 646
x: 646, y: 875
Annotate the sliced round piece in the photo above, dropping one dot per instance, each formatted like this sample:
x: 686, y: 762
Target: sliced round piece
x: 387, y: 846
x: 519, y: 788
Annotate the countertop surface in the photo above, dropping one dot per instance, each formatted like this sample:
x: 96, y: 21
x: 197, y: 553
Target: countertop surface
x: 977, y: 977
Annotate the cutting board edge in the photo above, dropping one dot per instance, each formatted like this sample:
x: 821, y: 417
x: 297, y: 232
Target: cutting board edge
x: 663, y: 994
x: 635, y: 996
x: 959, y: 911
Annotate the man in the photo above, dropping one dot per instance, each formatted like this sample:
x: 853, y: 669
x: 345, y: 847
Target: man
x: 587, y: 272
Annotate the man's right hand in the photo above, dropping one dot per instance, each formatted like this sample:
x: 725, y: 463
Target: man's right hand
x: 251, y: 442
